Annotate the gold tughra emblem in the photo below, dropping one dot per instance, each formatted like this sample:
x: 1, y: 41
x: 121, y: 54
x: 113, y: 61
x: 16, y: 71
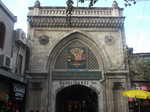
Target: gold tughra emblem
x: 77, y: 58
x: 77, y: 53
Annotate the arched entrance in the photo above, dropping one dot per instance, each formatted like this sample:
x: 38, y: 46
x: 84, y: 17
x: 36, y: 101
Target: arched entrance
x: 76, y: 57
x: 76, y: 98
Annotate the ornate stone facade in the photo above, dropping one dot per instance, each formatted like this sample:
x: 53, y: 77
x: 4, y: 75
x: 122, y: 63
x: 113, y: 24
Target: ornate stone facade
x: 79, y: 63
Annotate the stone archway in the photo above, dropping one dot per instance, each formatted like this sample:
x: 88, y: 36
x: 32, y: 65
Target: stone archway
x: 76, y: 98
x: 63, y: 65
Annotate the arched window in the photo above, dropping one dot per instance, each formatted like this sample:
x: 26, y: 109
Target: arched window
x: 2, y: 34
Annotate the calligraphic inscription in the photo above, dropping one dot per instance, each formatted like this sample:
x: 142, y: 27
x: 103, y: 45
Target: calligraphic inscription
x: 71, y: 82
x: 88, y: 75
x: 76, y: 58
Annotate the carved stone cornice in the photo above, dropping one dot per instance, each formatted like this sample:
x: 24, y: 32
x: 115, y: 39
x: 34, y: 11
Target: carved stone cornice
x: 55, y: 17
x: 59, y: 21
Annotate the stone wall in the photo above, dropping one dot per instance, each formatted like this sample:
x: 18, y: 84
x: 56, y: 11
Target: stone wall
x: 107, y: 41
x: 104, y: 36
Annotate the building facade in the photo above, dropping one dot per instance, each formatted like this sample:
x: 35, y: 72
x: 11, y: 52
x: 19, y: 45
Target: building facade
x: 12, y: 83
x: 139, y: 66
x: 80, y: 65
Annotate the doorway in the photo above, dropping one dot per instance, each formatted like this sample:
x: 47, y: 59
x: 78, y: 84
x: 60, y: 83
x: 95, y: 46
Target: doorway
x: 76, y: 98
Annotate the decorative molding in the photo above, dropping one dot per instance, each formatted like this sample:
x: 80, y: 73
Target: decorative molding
x: 109, y: 40
x: 82, y: 75
x: 77, y: 22
x: 55, y: 17
x: 44, y: 40
x: 79, y: 29
x: 76, y: 12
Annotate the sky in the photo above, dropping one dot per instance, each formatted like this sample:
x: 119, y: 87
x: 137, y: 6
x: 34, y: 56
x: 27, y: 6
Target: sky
x: 137, y: 21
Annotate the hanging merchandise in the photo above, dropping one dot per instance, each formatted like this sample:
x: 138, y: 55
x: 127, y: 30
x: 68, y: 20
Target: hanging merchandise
x: 144, y: 87
x: 4, y: 96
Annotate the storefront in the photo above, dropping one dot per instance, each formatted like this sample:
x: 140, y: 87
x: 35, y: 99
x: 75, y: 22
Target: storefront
x: 18, y: 96
x: 140, y: 105
x: 11, y: 96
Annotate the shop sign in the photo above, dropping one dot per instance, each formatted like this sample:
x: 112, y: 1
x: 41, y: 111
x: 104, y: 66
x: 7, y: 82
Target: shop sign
x: 19, y: 91
x: 19, y: 88
x: 71, y: 82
